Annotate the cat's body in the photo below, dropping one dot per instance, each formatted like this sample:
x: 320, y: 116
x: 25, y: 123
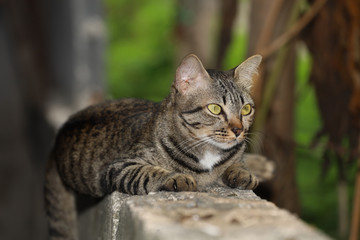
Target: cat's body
x: 192, y: 139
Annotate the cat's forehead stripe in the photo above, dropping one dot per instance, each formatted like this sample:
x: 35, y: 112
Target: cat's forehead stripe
x: 230, y: 91
x: 242, y: 99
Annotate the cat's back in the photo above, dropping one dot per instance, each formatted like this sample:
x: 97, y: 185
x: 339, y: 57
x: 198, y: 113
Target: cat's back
x: 110, y: 110
x: 108, y: 122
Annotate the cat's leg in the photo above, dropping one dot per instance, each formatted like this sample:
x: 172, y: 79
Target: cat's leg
x: 136, y: 177
x: 238, y: 176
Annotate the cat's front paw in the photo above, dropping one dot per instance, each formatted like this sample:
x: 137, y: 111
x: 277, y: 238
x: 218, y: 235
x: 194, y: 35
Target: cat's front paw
x: 236, y: 176
x: 179, y: 182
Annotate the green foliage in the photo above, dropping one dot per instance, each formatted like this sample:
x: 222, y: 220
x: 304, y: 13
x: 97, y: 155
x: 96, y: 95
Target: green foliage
x: 317, y: 196
x: 237, y: 50
x: 307, y: 120
x: 318, y: 192
x: 140, y: 51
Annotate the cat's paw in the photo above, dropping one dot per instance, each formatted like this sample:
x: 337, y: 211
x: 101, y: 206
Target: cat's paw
x: 239, y: 177
x: 179, y: 182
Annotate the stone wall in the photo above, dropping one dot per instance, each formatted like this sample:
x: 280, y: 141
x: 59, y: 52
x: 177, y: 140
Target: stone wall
x: 219, y: 213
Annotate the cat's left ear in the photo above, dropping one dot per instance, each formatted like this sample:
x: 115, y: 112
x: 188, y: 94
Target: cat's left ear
x: 191, y: 75
x: 245, y: 72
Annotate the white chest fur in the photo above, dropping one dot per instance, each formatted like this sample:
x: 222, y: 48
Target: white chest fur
x: 209, y: 160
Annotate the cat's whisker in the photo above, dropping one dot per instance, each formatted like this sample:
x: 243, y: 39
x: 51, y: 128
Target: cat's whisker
x: 201, y: 142
x: 250, y: 140
x: 255, y: 142
x: 258, y: 136
x: 249, y: 143
x: 187, y: 148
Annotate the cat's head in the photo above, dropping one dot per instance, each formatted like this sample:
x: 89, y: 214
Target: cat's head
x: 214, y: 106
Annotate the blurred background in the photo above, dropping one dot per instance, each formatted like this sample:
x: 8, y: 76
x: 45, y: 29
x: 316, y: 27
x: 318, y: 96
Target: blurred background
x: 57, y: 57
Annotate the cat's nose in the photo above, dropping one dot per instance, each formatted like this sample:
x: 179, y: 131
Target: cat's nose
x: 236, y: 131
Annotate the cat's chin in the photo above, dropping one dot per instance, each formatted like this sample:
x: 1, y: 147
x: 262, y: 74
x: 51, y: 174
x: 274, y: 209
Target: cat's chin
x: 226, y: 145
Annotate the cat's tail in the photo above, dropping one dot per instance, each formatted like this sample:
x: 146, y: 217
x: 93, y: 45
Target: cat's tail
x: 60, y: 205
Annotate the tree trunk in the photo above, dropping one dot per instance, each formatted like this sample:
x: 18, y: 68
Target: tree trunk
x: 25, y: 135
x: 196, y: 29
x: 333, y: 39
x: 229, y: 10
x: 274, y: 97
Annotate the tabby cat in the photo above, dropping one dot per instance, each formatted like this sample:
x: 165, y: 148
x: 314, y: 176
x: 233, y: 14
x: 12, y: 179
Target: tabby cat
x: 192, y: 139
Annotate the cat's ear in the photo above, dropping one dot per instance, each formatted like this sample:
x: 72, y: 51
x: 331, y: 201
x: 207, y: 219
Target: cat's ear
x: 191, y: 75
x: 245, y: 72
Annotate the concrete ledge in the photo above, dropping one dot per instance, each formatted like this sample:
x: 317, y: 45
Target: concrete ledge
x: 219, y: 213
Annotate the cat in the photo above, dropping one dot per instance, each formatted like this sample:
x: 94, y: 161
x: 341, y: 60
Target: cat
x: 194, y: 138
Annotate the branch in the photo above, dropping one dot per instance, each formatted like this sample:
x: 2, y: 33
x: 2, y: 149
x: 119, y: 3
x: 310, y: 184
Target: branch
x: 269, y: 26
x: 294, y: 30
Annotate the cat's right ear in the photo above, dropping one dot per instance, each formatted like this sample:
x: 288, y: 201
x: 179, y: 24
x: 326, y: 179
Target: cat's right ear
x: 191, y: 75
x: 245, y: 72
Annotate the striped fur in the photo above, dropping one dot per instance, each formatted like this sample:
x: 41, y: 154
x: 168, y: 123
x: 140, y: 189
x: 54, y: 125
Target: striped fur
x: 137, y: 146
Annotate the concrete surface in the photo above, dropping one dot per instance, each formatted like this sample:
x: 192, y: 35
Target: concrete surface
x: 219, y: 213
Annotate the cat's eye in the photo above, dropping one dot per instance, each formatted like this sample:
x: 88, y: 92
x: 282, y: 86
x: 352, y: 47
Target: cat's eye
x: 214, y: 108
x: 246, y: 109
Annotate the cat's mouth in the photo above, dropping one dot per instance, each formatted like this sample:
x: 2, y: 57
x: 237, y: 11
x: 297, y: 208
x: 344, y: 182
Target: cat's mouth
x: 227, y: 143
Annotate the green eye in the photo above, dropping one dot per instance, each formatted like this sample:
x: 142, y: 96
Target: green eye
x: 246, y: 110
x: 214, y: 108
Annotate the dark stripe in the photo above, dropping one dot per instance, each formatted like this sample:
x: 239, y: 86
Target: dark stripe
x: 238, y: 146
x: 256, y: 184
x: 242, y: 100
x: 187, y: 154
x: 82, y: 168
x: 175, y: 185
x: 104, y: 182
x: 231, y: 98
x: 70, y: 173
x: 114, y: 172
x: 223, y: 86
x: 232, y: 86
x: 225, y: 116
x: 145, y: 183
x: 154, y: 173
x: 180, y: 161
x: 186, y: 126
x: 224, y: 100
x: 232, y: 153
x: 251, y: 178
x: 233, y: 92
x: 94, y: 184
x: 193, y: 125
x: 122, y: 182
x: 214, y: 117
x: 197, y: 109
x: 134, y: 175
x: 111, y: 186
x: 135, y: 187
